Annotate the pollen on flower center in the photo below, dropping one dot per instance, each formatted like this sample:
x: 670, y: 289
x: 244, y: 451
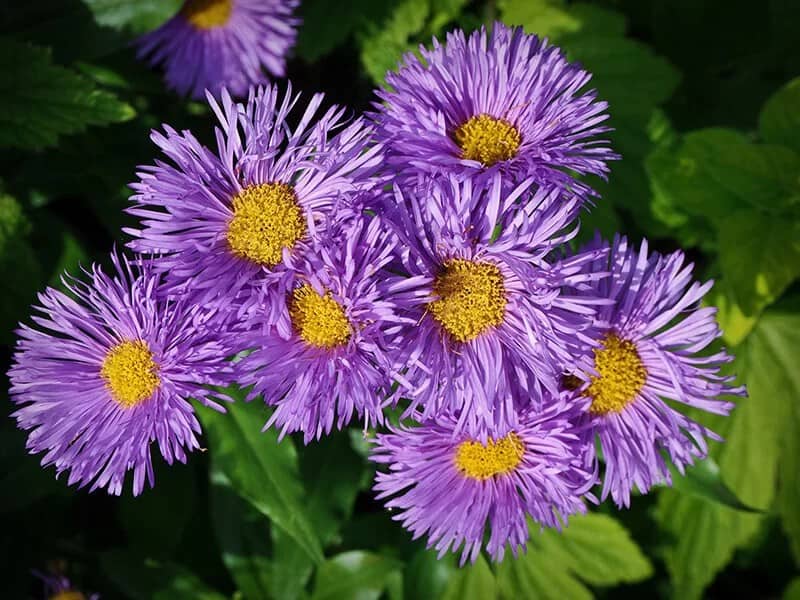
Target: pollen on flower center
x: 207, y: 14
x: 487, y: 140
x: 130, y: 373
x: 480, y: 462
x: 319, y: 320
x: 621, y: 375
x: 266, y: 219
x: 68, y: 595
x: 471, y: 298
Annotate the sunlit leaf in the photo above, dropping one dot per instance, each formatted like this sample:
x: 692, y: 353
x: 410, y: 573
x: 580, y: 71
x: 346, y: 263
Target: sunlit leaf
x: 779, y: 121
x: 354, y: 574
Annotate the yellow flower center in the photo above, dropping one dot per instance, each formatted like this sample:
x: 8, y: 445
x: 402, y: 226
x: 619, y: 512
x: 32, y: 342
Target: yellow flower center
x: 480, y: 462
x: 621, y: 375
x: 319, y: 320
x: 68, y: 595
x: 487, y: 140
x: 207, y: 14
x: 130, y: 373
x: 471, y: 298
x: 266, y: 219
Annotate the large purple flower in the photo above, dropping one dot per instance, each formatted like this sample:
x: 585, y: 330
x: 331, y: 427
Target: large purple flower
x: 222, y: 220
x: 108, y: 369
x: 450, y: 486
x: 651, y: 353
x: 329, y: 353
x: 492, y: 101
x: 492, y: 327
x: 217, y: 44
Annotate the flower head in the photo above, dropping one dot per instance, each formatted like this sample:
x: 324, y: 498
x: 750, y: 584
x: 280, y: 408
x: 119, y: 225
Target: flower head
x: 222, y: 220
x: 500, y: 101
x: 450, y: 486
x: 222, y: 44
x: 652, y: 342
x: 108, y: 369
x: 491, y: 327
x: 328, y: 354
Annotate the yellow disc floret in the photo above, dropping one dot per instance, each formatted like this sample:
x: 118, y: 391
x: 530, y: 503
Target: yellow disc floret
x: 471, y: 298
x: 130, y: 373
x: 318, y: 319
x: 621, y: 375
x: 487, y: 140
x: 266, y: 219
x: 68, y: 595
x: 497, y: 457
x: 207, y: 14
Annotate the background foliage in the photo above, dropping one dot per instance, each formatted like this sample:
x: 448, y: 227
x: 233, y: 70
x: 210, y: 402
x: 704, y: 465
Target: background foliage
x: 705, y: 102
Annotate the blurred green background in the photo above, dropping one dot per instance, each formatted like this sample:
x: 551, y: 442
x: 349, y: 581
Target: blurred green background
x: 705, y: 101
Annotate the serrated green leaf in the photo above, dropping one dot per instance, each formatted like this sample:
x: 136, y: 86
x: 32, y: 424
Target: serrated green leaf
x: 759, y: 255
x: 472, y: 582
x: 594, y: 548
x: 139, y: 16
x: 355, y: 574
x: 779, y: 121
x: 706, y: 534
x: 39, y: 101
x: 261, y: 470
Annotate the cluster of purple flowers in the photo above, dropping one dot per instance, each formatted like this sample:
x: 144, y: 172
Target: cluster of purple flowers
x: 419, y: 259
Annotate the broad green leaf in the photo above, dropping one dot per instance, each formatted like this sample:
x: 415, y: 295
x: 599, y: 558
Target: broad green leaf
x: 759, y: 255
x: 154, y: 580
x: 262, y: 470
x: 139, y: 16
x: 706, y: 534
x: 243, y: 537
x: 383, y: 45
x: 472, y: 582
x: 704, y: 480
x: 792, y: 591
x: 355, y: 574
x: 779, y: 121
x: 714, y: 172
x: 328, y: 23
x: 427, y: 576
x: 39, y: 101
x: 554, y: 19
x: 593, y: 548
x: 733, y: 322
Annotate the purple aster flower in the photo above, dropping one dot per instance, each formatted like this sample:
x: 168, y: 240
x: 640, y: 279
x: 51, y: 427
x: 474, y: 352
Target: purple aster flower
x: 222, y: 220
x: 492, y: 328
x: 500, y: 101
x: 450, y: 486
x: 217, y: 44
x: 652, y: 349
x: 329, y: 354
x: 108, y: 369
x: 59, y: 587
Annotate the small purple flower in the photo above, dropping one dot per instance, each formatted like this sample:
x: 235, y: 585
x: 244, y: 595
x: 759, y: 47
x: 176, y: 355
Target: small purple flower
x: 492, y: 329
x: 217, y: 44
x: 59, y: 587
x: 500, y: 101
x: 223, y: 220
x: 329, y: 353
x: 450, y: 486
x: 108, y: 369
x: 652, y: 340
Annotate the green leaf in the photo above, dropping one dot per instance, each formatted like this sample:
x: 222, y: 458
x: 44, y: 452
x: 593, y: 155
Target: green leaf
x: 139, y: 16
x: 706, y: 534
x: 759, y: 255
x: 593, y: 548
x: 261, y: 470
x: 243, y: 536
x: 714, y: 172
x: 733, y: 321
x: 328, y: 23
x: 779, y: 121
x: 427, y: 576
x: 355, y: 574
x: 704, y: 480
x: 472, y: 582
x: 554, y: 19
x: 792, y: 591
x: 40, y: 101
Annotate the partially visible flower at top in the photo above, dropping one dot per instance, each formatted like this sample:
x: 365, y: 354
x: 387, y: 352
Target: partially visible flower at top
x: 59, y: 587
x: 109, y: 368
x: 222, y: 44
x: 331, y: 354
x: 451, y: 486
x: 500, y: 101
x: 222, y: 220
x: 652, y: 348
x: 492, y: 327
